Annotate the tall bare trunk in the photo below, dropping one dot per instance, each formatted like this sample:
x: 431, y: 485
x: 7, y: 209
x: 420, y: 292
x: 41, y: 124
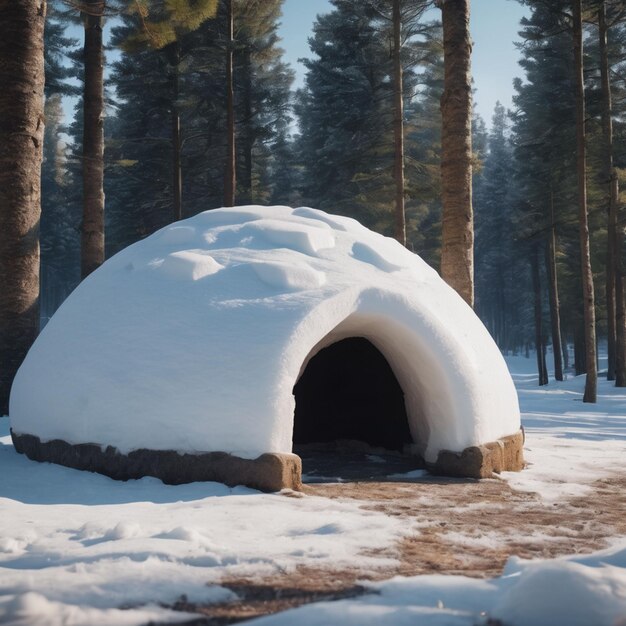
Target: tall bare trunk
x: 614, y: 282
x: 398, y: 123
x: 580, y: 358
x: 21, y: 144
x: 620, y: 311
x: 585, y: 255
x: 620, y: 304
x: 230, y: 176
x: 177, y: 174
x: 542, y: 370
x: 501, y: 333
x: 608, y: 174
x: 92, y: 231
x: 555, y: 308
x: 248, y: 138
x: 457, y: 237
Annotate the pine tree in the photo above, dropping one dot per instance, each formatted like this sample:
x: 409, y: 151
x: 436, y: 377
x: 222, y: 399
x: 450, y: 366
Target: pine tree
x: 262, y: 85
x: 423, y: 152
x: 21, y: 144
x: 92, y: 227
x: 346, y: 113
x: 543, y: 127
x: 60, y: 249
x: 58, y: 65
x: 230, y: 170
x: 161, y: 26
x: 537, y: 298
x: 616, y: 334
x: 141, y: 189
x: 59, y: 229
x: 284, y: 173
x: 495, y: 232
x: 457, y: 253
x: 398, y: 122
x: 585, y: 253
x: 139, y: 152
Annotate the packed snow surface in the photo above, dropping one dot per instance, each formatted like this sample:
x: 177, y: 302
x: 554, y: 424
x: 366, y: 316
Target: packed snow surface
x: 193, y: 339
x: 76, y: 548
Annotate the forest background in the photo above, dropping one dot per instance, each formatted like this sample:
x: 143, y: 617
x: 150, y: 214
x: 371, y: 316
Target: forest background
x: 168, y: 138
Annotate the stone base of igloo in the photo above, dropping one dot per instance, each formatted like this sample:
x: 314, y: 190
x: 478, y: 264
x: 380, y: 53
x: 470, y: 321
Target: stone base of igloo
x: 504, y: 455
x: 268, y: 472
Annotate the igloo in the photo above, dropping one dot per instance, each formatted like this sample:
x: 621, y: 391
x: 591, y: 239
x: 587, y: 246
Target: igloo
x: 180, y: 357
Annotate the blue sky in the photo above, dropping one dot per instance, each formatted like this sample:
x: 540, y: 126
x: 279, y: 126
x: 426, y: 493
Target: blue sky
x: 494, y: 25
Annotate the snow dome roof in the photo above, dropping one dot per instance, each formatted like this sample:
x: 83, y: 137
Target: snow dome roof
x: 193, y: 339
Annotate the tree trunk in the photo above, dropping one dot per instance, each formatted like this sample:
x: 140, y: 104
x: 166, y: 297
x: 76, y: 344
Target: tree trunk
x: 615, y: 289
x: 608, y: 173
x: 501, y: 313
x: 457, y: 236
x: 230, y: 177
x: 620, y: 304
x: 580, y: 360
x: 565, y: 350
x: 398, y: 123
x: 539, y: 342
x: 21, y: 144
x: 177, y: 173
x: 247, y: 148
x: 586, y: 274
x: 555, y: 309
x: 92, y: 231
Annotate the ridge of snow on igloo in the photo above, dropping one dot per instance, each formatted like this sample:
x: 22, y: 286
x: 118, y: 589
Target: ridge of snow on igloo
x: 192, y: 340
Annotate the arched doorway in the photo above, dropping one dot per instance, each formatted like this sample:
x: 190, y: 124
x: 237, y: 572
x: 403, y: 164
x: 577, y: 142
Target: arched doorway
x: 348, y: 392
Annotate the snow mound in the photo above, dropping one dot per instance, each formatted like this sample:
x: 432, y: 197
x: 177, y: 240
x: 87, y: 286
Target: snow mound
x: 34, y: 608
x: 193, y: 339
x: 337, y: 222
x: 287, y: 276
x: 178, y: 234
x: 189, y: 265
x: 227, y: 217
x: 298, y: 236
x: 564, y: 592
x: 367, y: 254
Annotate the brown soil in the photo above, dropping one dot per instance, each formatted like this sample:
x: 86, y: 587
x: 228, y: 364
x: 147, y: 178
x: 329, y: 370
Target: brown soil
x: 463, y: 527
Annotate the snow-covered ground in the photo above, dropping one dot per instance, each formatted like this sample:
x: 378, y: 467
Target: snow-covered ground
x: 569, y: 444
x: 74, y: 545
x: 78, y: 548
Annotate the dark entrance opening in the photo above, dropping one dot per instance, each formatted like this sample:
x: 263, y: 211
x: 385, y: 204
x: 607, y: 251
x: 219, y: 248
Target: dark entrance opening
x: 349, y: 392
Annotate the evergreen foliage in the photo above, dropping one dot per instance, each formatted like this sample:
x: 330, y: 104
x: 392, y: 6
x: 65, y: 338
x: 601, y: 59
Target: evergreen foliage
x: 499, y: 264
x: 139, y: 140
x: 59, y: 235
x: 345, y: 114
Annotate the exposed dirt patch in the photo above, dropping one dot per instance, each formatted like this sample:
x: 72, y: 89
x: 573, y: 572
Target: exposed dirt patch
x: 465, y: 527
x: 472, y: 527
